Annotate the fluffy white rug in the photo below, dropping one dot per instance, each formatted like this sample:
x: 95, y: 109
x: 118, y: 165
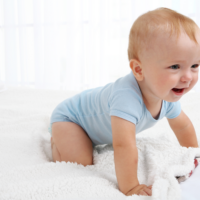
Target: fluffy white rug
x: 26, y: 167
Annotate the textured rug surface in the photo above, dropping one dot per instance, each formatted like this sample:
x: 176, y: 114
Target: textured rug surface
x: 26, y: 167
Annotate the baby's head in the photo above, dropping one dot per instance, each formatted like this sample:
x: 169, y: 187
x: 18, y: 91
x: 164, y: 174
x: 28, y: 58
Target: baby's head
x: 164, y: 53
x: 161, y: 21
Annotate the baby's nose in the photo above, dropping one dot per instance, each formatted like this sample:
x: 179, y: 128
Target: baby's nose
x: 187, y: 76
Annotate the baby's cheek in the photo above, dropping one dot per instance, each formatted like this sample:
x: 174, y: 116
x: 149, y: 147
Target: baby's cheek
x: 164, y: 81
x: 196, y: 77
x: 193, y: 83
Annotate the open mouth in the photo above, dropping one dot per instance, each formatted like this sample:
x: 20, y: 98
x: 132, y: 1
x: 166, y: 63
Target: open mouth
x: 178, y: 90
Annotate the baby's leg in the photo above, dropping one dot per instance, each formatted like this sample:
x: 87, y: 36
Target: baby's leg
x: 70, y: 142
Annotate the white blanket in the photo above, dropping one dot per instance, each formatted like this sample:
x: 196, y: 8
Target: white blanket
x: 26, y: 167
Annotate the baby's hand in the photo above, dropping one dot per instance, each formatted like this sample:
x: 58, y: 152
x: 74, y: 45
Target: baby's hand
x: 141, y: 190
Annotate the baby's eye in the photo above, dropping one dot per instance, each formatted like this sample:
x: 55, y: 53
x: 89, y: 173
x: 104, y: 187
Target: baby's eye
x: 174, y: 67
x: 195, y: 66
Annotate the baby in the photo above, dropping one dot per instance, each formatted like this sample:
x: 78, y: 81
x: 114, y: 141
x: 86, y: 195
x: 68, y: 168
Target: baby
x: 164, y: 55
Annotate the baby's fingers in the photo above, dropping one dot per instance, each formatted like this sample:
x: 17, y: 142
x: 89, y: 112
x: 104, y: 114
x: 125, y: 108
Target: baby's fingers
x: 142, y: 192
x: 150, y: 187
x: 148, y: 191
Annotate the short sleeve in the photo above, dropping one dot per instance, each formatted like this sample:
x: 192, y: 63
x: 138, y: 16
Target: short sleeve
x: 126, y: 104
x: 173, y: 110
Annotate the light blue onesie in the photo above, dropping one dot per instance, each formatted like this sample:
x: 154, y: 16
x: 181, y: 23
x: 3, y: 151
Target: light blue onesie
x: 92, y: 109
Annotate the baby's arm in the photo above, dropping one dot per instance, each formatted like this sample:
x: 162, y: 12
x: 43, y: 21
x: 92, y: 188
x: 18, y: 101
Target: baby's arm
x: 184, y: 130
x: 126, y: 157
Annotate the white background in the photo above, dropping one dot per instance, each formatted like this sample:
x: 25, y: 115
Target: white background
x: 72, y: 44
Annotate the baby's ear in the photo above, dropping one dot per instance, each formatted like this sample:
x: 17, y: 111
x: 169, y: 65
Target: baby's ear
x: 136, y: 68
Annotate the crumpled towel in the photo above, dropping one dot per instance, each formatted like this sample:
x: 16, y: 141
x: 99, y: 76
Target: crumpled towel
x: 26, y: 170
x: 184, y: 178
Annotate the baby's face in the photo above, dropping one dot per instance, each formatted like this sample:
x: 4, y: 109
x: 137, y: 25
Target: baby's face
x: 171, y: 67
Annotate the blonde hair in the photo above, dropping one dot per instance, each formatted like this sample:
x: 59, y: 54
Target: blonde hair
x: 161, y: 19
